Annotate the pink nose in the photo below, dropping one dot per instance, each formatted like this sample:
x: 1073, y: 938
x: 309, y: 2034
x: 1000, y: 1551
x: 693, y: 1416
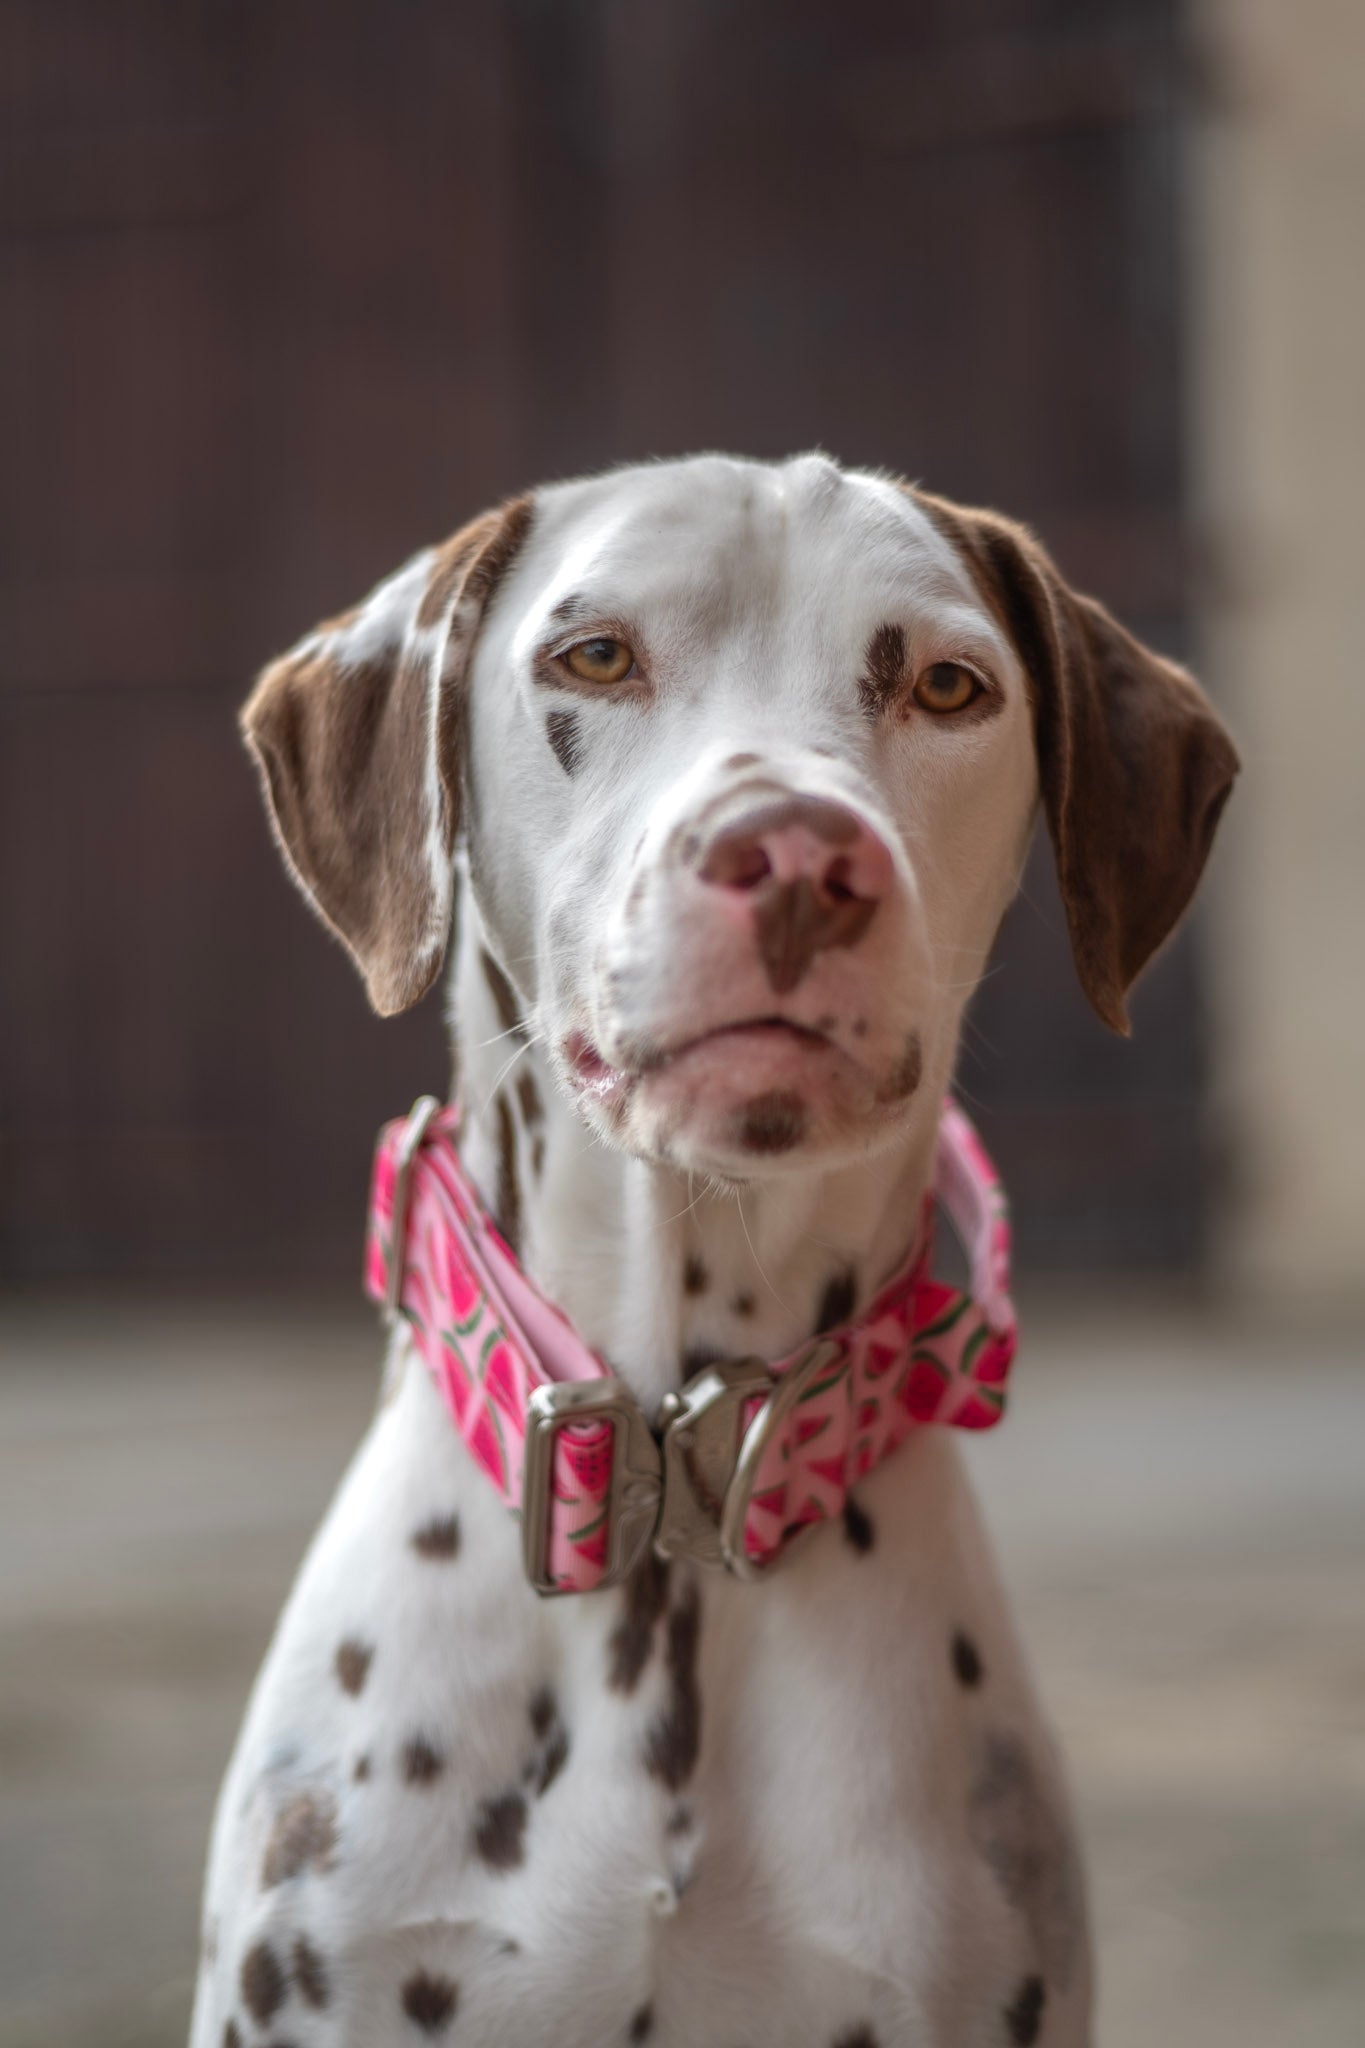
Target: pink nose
x: 810, y: 873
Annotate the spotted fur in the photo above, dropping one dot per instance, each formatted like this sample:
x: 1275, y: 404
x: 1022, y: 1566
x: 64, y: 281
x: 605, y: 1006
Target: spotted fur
x: 823, y: 1811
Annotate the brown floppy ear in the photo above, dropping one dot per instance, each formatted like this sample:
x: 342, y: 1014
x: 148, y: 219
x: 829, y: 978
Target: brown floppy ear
x: 358, y: 734
x: 1133, y: 764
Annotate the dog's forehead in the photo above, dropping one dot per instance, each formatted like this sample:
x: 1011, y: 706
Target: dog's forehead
x: 734, y: 539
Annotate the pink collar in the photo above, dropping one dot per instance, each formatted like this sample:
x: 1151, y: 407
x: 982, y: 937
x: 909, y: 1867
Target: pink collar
x: 745, y: 1456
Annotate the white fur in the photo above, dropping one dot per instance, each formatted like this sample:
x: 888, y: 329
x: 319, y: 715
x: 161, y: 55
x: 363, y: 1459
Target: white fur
x: 865, y: 1841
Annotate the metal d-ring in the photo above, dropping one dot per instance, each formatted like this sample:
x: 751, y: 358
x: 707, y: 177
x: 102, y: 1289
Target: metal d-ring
x: 788, y: 1388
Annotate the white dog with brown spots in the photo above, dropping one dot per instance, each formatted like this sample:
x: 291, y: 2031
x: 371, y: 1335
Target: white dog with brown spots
x: 732, y: 767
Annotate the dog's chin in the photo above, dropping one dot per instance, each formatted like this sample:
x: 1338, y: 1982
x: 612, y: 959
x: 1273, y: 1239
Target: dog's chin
x: 750, y: 1102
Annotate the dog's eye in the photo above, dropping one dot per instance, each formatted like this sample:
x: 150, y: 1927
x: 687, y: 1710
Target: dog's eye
x: 947, y: 686
x: 599, y: 661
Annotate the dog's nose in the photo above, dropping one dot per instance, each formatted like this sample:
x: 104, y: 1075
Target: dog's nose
x: 808, y: 871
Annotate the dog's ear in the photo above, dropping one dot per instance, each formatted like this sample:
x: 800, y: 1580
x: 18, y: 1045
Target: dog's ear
x: 358, y: 734
x: 1133, y: 764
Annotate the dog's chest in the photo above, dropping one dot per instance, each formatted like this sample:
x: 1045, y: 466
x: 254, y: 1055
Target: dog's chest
x: 683, y: 1810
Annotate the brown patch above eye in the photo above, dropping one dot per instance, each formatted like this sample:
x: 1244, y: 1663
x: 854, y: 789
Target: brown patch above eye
x: 884, y: 666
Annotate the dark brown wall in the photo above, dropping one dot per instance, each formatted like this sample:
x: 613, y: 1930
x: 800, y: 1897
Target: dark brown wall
x: 288, y: 290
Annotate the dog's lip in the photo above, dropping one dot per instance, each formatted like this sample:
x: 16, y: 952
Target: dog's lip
x: 755, y: 1028
x: 595, y: 1074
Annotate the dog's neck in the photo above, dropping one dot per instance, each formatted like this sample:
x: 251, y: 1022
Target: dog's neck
x: 661, y: 1275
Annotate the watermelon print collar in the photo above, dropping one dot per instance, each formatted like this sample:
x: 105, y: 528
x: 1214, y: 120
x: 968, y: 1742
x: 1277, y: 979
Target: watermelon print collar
x: 748, y: 1455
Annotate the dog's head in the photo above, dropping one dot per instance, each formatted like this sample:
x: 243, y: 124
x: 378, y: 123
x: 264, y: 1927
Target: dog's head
x: 746, y: 759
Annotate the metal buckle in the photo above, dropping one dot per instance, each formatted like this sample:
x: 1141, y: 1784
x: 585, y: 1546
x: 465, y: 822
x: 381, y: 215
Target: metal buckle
x: 787, y: 1390
x: 419, y: 1117
x: 633, y: 1497
x: 702, y: 1430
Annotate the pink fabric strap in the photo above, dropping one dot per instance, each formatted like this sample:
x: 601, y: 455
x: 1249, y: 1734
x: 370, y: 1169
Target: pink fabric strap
x: 824, y: 1418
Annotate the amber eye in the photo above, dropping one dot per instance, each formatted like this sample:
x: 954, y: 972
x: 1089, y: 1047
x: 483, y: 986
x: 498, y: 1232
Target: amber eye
x: 947, y: 686
x: 599, y: 661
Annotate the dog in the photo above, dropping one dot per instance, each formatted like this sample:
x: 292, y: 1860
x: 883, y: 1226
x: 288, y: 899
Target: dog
x: 724, y: 773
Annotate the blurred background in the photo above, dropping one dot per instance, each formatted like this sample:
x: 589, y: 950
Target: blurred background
x: 288, y: 290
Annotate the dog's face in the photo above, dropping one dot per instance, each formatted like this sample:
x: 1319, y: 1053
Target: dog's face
x: 750, y: 776
x: 747, y: 758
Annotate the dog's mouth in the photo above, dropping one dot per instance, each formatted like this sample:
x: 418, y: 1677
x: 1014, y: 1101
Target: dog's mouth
x: 642, y: 1061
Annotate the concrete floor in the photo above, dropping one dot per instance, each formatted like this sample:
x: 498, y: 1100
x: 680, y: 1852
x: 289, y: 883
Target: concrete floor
x: 1181, y: 1511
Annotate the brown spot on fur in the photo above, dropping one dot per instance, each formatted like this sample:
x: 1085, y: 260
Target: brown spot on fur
x: 303, y: 1837
x: 858, y: 1527
x: 566, y: 740
x: 695, y: 1278
x: 743, y: 1305
x: 232, y: 2035
x: 528, y: 1095
x: 507, y: 1199
x: 361, y: 1771
x: 310, y: 1975
x: 772, y: 1123
x: 674, y: 1740
x: 904, y: 1077
x: 353, y: 1660
x: 500, y: 1831
x: 263, y: 1983
x: 537, y: 1157
x: 421, y: 1763
x: 857, y: 2037
x: 836, y: 1303
x: 1024, y: 2015
x: 1016, y: 1830
x: 504, y: 998
x: 884, y: 666
x: 966, y: 1660
x: 641, y: 2024
x: 643, y: 1598
x: 430, y: 2001
x: 438, y: 1539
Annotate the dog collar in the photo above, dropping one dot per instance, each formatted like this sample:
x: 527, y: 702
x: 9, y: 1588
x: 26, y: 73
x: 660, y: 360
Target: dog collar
x: 747, y: 1455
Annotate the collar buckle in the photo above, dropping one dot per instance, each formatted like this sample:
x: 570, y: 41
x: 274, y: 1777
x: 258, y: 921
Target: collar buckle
x: 636, y: 1486
x: 787, y: 1390
x: 703, y: 1429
